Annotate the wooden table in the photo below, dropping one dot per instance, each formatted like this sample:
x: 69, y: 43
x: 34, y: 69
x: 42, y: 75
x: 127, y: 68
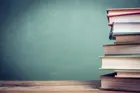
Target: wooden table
x: 66, y: 86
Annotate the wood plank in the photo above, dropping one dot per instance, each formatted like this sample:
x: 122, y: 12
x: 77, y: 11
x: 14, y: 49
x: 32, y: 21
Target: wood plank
x: 49, y: 88
x: 67, y: 86
x: 69, y: 92
x: 95, y: 91
x: 48, y: 83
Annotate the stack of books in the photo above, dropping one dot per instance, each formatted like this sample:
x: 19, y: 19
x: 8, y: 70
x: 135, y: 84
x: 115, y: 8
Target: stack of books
x: 123, y: 56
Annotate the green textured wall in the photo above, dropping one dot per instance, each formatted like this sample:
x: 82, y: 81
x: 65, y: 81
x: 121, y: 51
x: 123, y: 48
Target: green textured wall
x: 54, y: 39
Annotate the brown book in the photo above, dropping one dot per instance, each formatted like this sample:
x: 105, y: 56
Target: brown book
x: 127, y: 38
x: 122, y: 49
x: 110, y: 82
x: 126, y: 43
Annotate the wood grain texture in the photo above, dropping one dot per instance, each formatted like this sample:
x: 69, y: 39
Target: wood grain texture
x: 69, y: 86
x: 48, y: 83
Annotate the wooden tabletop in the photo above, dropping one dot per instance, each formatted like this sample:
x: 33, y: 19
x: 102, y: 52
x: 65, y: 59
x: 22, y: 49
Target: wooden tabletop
x: 66, y: 86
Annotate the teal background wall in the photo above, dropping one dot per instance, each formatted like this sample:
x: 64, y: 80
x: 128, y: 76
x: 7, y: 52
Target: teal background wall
x: 54, y: 39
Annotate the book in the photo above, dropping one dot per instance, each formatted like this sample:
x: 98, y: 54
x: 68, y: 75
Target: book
x: 125, y: 28
x: 124, y: 43
x: 110, y: 82
x: 127, y: 73
x: 121, y: 49
x: 121, y: 62
x: 127, y: 39
x: 118, y: 11
x: 128, y: 17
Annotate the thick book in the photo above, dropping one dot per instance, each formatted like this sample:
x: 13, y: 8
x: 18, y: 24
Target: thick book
x: 121, y: 62
x: 125, y: 29
x: 121, y: 49
x: 110, y: 82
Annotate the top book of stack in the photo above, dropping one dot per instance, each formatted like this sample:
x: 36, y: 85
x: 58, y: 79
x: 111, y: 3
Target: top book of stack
x: 123, y: 15
x: 125, y: 24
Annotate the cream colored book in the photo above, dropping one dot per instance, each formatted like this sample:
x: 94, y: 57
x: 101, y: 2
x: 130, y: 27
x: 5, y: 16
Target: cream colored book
x: 127, y: 73
x: 121, y: 62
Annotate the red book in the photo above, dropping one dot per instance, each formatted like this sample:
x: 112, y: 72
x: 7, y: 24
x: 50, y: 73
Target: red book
x: 123, y: 15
